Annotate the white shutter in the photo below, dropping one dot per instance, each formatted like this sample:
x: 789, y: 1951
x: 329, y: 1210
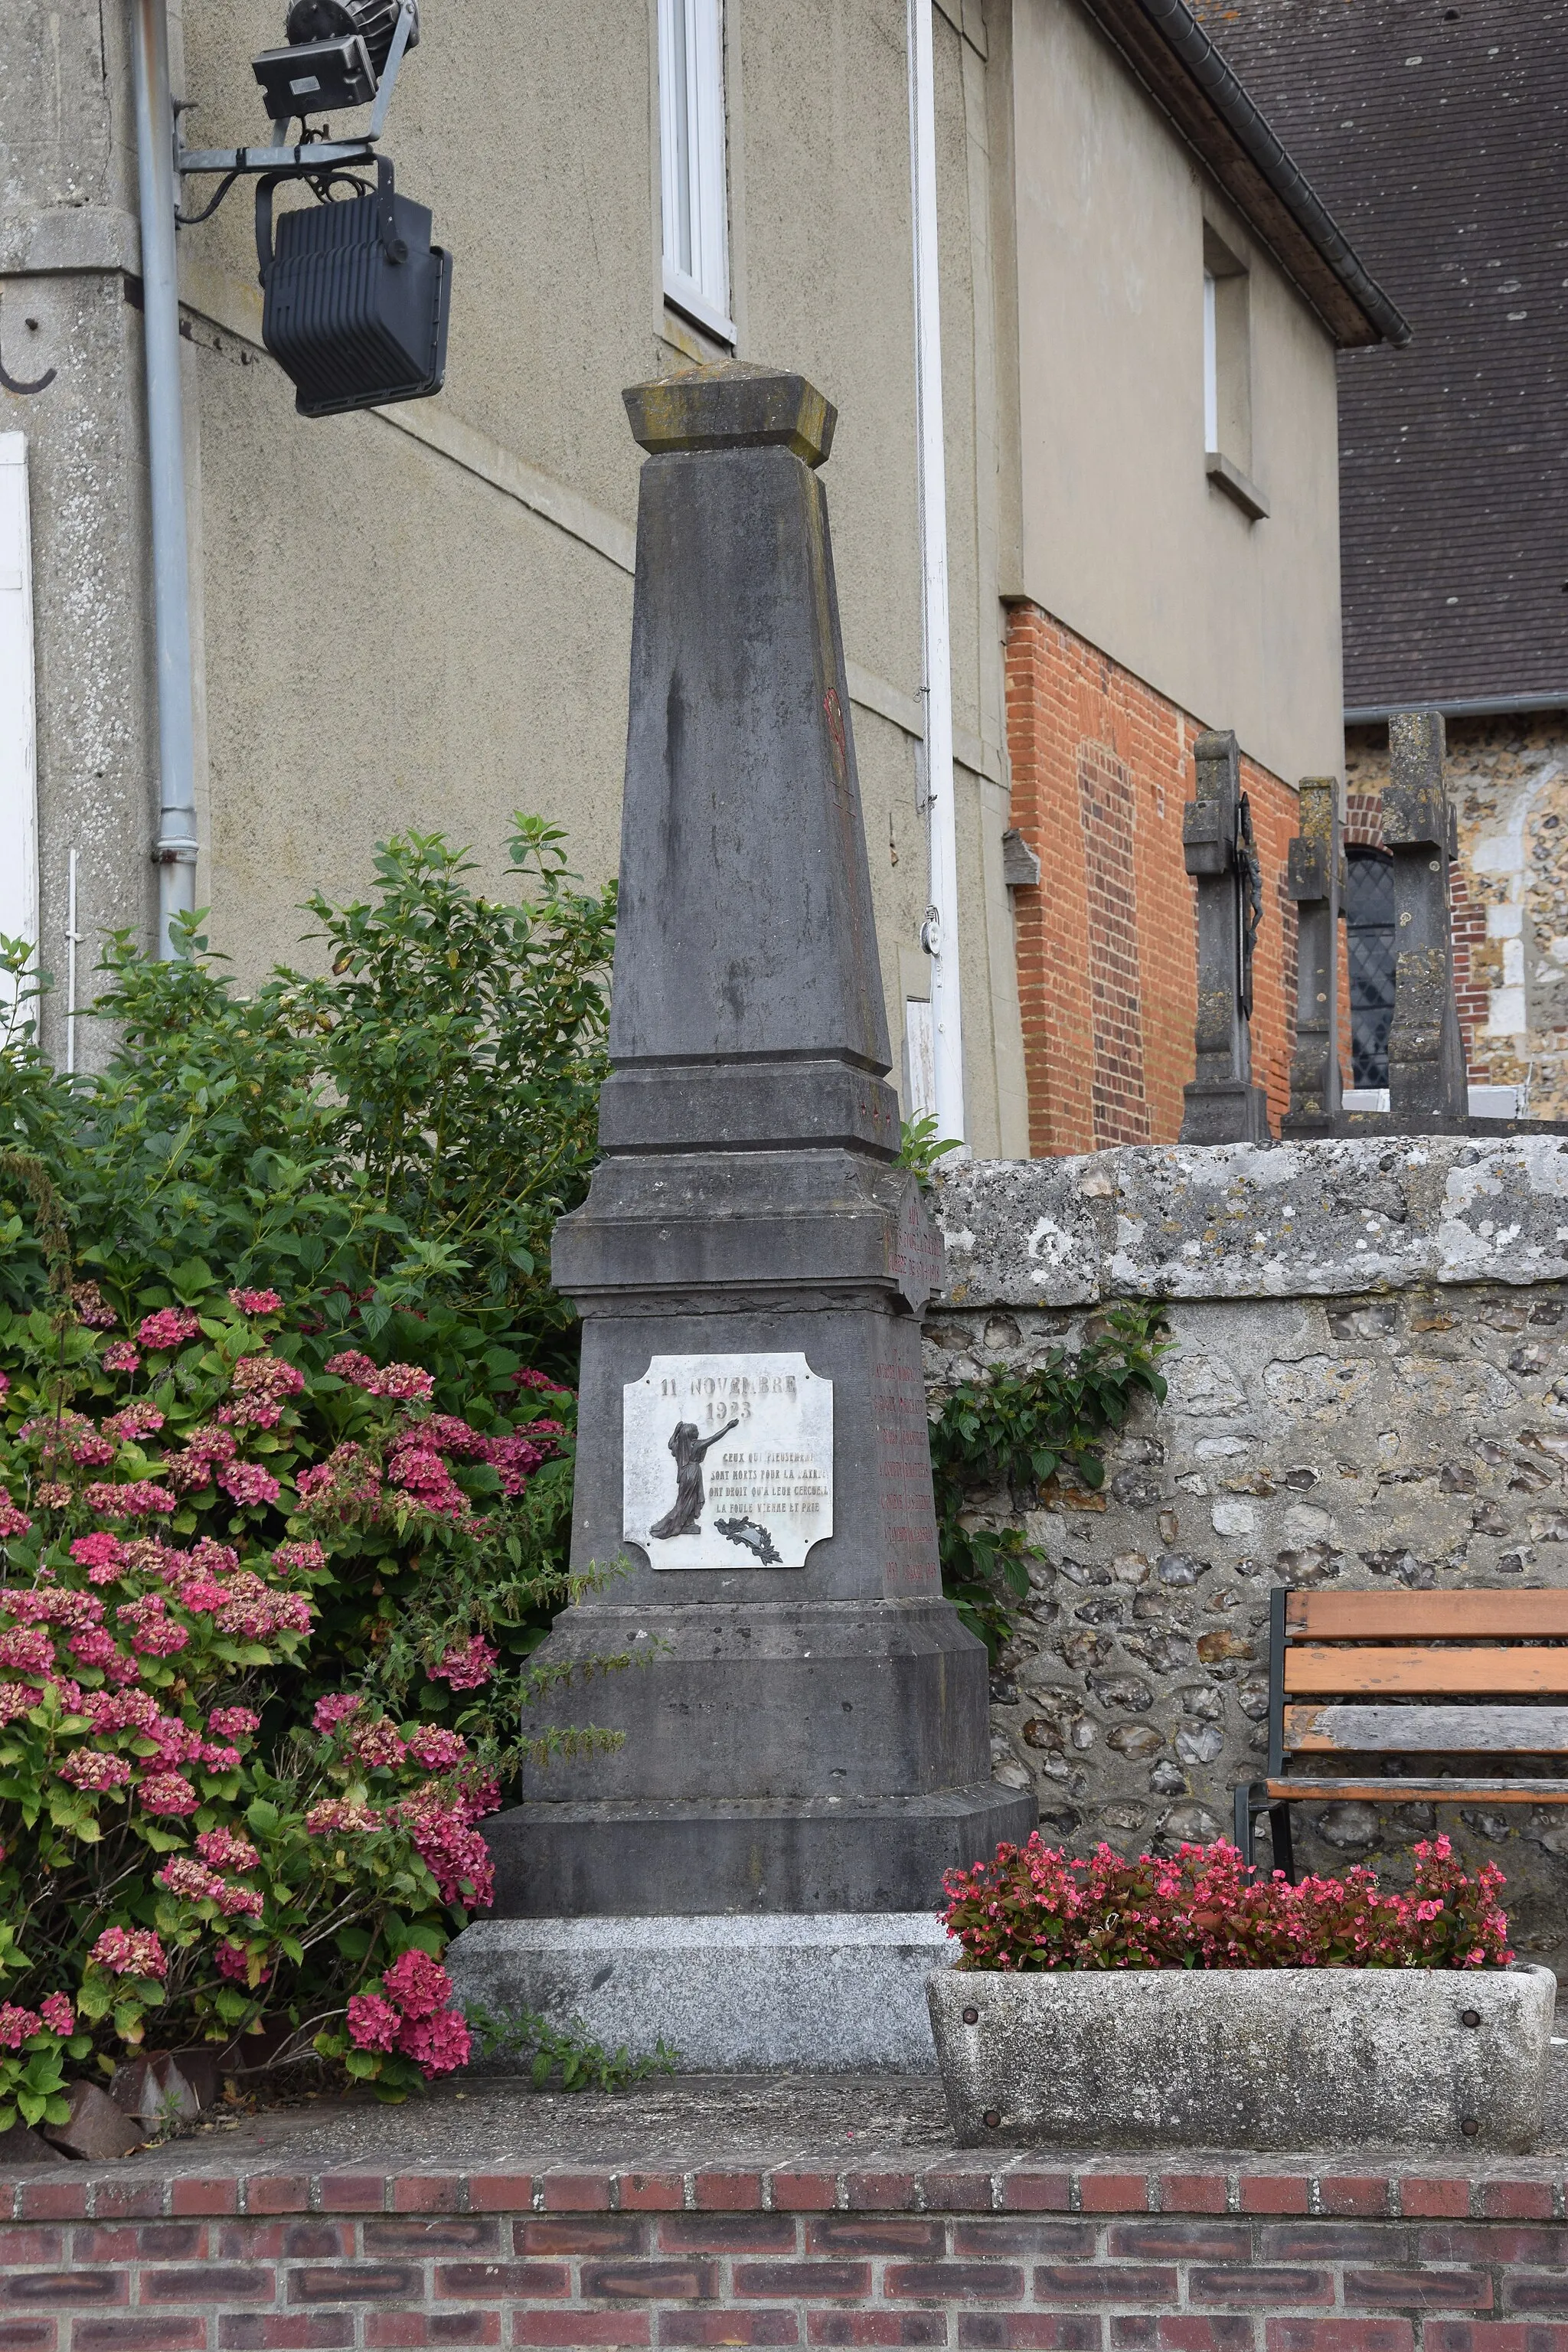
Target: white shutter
x: 18, y: 746
x: 692, y: 157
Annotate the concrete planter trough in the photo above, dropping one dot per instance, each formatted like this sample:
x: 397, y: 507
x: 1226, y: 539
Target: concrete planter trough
x: 1246, y: 2058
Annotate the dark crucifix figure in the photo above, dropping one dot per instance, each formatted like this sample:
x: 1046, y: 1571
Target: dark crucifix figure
x: 689, y: 1450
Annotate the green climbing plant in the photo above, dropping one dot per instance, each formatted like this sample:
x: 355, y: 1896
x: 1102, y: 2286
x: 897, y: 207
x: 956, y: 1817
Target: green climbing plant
x: 1021, y: 1430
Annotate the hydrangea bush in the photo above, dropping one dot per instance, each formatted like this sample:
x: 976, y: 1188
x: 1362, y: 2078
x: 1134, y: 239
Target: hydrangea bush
x: 203, y: 1513
x: 1034, y: 1907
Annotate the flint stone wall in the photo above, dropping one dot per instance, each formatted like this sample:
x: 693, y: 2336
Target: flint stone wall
x: 1369, y: 1385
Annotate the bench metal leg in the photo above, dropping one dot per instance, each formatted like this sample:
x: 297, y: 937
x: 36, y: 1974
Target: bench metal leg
x: 1284, y: 1847
x: 1244, y: 1796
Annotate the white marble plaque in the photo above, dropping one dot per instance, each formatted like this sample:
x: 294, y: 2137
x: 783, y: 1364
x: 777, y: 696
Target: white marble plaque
x: 728, y: 1461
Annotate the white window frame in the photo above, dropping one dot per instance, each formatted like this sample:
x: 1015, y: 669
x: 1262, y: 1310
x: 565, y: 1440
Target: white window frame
x: 18, y: 726
x: 1211, y: 364
x: 695, y: 188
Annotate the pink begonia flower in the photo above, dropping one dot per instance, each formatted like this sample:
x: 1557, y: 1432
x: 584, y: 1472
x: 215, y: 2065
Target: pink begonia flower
x: 248, y: 1483
x: 256, y: 1302
x: 436, y: 1750
x: 168, y: 1793
x: 373, y: 2022
x: 13, y: 1522
x: 58, y: 2012
x: 130, y: 1952
x: 300, y: 1557
x: 467, y: 1665
x: 234, y: 1962
x: 91, y: 1768
x: 138, y: 1499
x: 100, y: 1554
x: 224, y: 1850
x: 233, y: 1722
x: 438, y: 2045
x: 16, y: 2025
x: 122, y: 1356
x: 418, y: 1984
x: 335, y: 1708
x: 168, y: 1328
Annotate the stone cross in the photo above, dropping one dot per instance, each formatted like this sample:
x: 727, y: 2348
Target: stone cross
x: 806, y: 1727
x: 1223, y: 1104
x: 1426, y: 1049
x: 1313, y: 878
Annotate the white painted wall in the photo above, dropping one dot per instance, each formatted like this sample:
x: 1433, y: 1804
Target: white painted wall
x: 18, y: 740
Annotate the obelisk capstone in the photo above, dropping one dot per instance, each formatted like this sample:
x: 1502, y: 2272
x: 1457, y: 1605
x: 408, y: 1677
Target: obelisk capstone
x: 805, y: 1727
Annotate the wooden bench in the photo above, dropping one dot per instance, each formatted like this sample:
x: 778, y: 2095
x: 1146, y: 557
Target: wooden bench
x: 1397, y: 1675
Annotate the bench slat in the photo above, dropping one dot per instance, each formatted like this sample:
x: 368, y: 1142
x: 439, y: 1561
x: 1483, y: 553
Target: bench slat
x: 1426, y: 1730
x: 1332, y: 1672
x: 1400, y: 1791
x: 1415, y: 1616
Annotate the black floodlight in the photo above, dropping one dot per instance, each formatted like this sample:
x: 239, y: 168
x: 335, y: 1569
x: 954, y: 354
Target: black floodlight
x: 357, y: 295
x: 311, y: 75
x: 356, y: 298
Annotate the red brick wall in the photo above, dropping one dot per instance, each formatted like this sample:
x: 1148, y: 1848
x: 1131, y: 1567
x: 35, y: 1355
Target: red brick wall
x: 1107, y: 944
x: 1175, y: 2254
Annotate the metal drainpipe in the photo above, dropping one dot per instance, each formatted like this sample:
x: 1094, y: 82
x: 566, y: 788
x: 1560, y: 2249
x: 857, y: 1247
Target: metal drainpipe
x: 174, y: 850
x: 940, y: 936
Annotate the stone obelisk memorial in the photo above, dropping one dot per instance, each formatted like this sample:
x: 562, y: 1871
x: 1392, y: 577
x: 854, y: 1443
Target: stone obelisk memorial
x: 807, y: 1744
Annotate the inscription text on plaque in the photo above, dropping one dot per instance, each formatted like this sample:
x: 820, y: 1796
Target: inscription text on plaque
x: 728, y: 1461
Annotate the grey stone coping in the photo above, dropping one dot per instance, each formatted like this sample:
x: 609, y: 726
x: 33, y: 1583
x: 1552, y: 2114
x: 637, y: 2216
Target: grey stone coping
x: 1309, y: 1218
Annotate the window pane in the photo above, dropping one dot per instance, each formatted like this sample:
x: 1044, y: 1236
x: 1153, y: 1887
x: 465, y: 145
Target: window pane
x: 1369, y: 940
x: 693, y: 136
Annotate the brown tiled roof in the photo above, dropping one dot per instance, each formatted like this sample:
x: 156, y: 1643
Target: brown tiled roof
x: 1436, y: 132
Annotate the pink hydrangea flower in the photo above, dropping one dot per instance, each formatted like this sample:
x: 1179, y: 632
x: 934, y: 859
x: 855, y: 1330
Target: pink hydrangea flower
x: 27, y: 1649
x: 16, y: 2025
x: 356, y: 1368
x: 91, y: 1768
x: 233, y: 1722
x: 168, y: 1328
x: 248, y: 1483
x: 137, y: 1499
x: 234, y: 1962
x: 530, y: 1380
x: 91, y: 1307
x: 340, y: 1817
x: 268, y: 1376
x: 241, y: 1903
x: 438, y: 2045
x: 134, y: 1421
x: 100, y: 1554
x: 373, y: 2022
x: 454, y: 1852
x: 436, y: 1750
x: 377, y: 1743
x: 130, y: 1952
x: 16, y: 1699
x: 418, y: 1984
x: 224, y: 1850
x: 256, y: 1612
x: 219, y: 1759
x: 408, y: 1384
x: 302, y: 1558
x: 335, y: 1708
x: 92, y: 1452
x: 467, y: 1665
x: 122, y: 1356
x: 168, y: 1793
x: 347, y: 1478
x: 58, y: 2012
x: 93, y: 1649
x: 187, y: 1879
x: 13, y: 1522
x: 256, y: 1302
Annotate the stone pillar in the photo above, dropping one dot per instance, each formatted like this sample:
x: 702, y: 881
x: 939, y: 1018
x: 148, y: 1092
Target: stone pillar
x: 1223, y: 1104
x: 1426, y: 1049
x: 1314, y: 875
x: 806, y: 1722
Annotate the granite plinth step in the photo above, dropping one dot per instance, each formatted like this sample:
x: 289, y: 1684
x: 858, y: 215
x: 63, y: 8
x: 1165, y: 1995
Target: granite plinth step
x: 834, y: 1992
